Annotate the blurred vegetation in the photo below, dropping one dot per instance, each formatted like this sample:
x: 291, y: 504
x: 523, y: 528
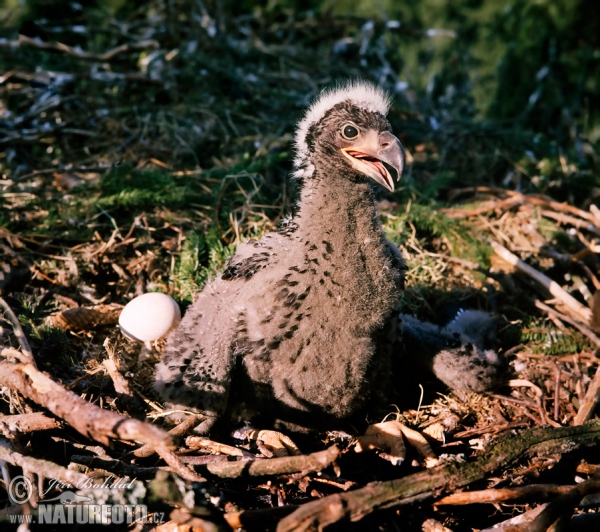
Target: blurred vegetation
x: 187, y: 134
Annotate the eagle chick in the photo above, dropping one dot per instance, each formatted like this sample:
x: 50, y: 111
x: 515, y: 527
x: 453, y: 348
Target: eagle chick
x: 303, y: 321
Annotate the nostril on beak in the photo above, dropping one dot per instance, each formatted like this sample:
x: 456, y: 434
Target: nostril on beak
x: 386, y: 141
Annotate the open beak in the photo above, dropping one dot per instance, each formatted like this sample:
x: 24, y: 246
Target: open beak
x: 380, y: 156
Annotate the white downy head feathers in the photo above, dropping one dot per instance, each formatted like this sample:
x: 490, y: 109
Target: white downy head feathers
x: 362, y: 93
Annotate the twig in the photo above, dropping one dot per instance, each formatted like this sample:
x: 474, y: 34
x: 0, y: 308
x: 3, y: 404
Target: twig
x: 18, y: 330
x: 116, y: 467
x: 180, y: 430
x: 564, y: 504
x: 42, y: 467
x: 74, y: 169
x: 28, y: 423
x: 534, y: 491
x: 506, y: 450
x: 120, y: 383
x: 581, y: 311
x: 521, y: 519
x: 76, y: 52
x: 582, y: 328
x: 88, y: 419
x: 555, y: 205
x: 275, y: 466
x: 177, y: 465
x: 556, y: 393
x: 506, y: 204
x: 590, y: 401
x: 571, y: 220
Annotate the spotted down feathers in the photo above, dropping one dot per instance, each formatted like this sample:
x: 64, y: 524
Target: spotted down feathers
x: 302, y: 324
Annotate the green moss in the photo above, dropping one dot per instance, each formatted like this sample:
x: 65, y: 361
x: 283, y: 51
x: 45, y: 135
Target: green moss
x: 429, y: 222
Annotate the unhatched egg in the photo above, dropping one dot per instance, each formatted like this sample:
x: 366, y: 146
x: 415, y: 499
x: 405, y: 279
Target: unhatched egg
x: 149, y: 317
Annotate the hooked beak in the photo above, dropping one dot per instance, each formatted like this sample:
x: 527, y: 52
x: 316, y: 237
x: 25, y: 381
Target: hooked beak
x: 380, y: 157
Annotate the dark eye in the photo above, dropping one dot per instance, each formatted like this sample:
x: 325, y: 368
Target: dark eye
x: 349, y: 131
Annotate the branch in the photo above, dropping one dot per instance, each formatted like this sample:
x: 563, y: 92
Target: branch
x: 24, y: 423
x: 564, y: 504
x: 77, y: 52
x: 116, y: 467
x: 43, y: 468
x: 275, y: 466
x: 493, y: 496
x: 88, y: 419
x: 590, y: 401
x: 18, y: 331
x: 581, y: 311
x: 582, y: 328
x: 180, y: 430
x: 508, y: 449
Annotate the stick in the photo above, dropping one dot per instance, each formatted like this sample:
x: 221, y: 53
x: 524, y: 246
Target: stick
x: 493, y: 496
x: 584, y: 330
x: 555, y: 205
x: 571, y: 220
x: 275, y: 466
x: 18, y: 330
x: 564, y: 504
x: 355, y: 505
x: 42, y: 468
x: 180, y: 430
x: 581, y: 311
x: 75, y: 52
x: 591, y: 399
x: 28, y: 423
x: 116, y: 467
x: 200, y: 442
x: 505, y: 204
x: 88, y: 419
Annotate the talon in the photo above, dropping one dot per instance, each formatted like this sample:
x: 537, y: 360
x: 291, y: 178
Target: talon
x: 389, y: 436
x: 270, y: 442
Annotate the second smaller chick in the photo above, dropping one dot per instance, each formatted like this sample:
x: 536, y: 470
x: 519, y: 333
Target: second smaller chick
x: 458, y: 353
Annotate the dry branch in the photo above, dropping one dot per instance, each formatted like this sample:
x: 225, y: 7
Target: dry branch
x: 533, y: 200
x: 590, y: 401
x: 562, y: 505
x: 88, y: 419
x: 180, y: 430
x: 27, y: 423
x: 506, y: 204
x: 533, y: 491
x: 42, y: 467
x: 211, y: 446
x: 77, y: 52
x: 508, y: 449
x: 571, y: 220
x: 116, y: 467
x: 582, y: 328
x: 18, y: 331
x: 275, y: 466
x: 579, y: 310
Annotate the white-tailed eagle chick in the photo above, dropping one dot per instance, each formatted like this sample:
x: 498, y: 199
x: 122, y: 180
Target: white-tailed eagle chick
x: 302, y: 324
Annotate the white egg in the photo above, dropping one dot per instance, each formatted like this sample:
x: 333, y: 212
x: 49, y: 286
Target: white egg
x: 149, y: 317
